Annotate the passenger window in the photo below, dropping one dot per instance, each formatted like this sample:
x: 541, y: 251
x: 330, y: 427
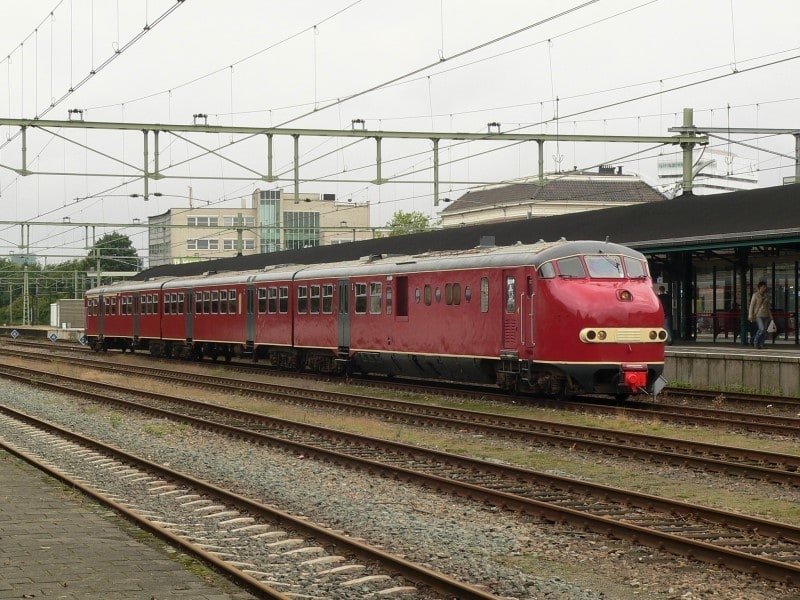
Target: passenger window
x: 198, y: 303
x: 180, y: 303
x: 467, y: 293
x: 417, y: 295
x: 223, y: 301
x: 272, y: 300
x: 262, y: 300
x: 571, y: 268
x: 375, y: 294
x: 327, y: 299
x: 361, y: 298
x: 207, y: 303
x: 511, y: 295
x: 315, y: 299
x: 232, y: 302
x: 388, y: 299
x: 214, y: 302
x: 438, y: 295
x: 456, y: 294
x: 166, y: 305
x: 428, y: 296
x: 484, y: 294
x: 448, y: 293
x: 302, y: 299
x: 547, y: 271
x: 283, y: 304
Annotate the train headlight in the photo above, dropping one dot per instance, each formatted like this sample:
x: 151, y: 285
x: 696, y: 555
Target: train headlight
x: 653, y: 334
x: 591, y: 334
x: 601, y: 335
x: 662, y: 335
x: 624, y: 296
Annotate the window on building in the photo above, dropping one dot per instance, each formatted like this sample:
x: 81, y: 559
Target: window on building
x: 234, y: 221
x: 283, y: 305
x: 272, y: 300
x: 327, y: 298
x: 202, y: 221
x: 302, y: 229
x: 361, y: 298
x: 484, y: 294
x: 315, y: 299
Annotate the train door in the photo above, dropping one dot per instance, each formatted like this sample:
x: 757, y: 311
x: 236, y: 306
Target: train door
x: 343, y: 328
x: 189, y: 312
x: 135, y: 310
x: 101, y: 315
x: 250, y: 325
x: 526, y: 312
x: 510, y: 310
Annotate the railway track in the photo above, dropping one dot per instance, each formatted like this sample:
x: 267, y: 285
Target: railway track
x: 767, y: 466
x: 738, y: 541
x: 260, y: 547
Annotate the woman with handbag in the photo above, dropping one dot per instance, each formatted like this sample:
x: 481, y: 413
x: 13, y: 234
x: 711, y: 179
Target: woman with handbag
x: 760, y: 312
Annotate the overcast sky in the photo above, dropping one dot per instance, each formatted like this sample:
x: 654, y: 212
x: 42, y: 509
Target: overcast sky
x: 265, y: 63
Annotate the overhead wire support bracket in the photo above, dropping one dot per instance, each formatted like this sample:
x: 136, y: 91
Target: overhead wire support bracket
x: 378, y: 160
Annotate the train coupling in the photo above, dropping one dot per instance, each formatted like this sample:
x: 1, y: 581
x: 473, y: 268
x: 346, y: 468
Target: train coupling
x: 634, y: 377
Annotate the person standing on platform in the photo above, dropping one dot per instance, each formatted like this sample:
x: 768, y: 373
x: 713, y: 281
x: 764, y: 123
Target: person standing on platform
x: 760, y: 313
x: 666, y: 304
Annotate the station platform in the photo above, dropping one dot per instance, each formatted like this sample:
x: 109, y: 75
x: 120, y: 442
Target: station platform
x: 55, y: 543
x: 772, y: 370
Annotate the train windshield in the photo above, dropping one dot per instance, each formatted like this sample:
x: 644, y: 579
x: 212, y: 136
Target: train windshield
x: 637, y: 269
x: 604, y: 266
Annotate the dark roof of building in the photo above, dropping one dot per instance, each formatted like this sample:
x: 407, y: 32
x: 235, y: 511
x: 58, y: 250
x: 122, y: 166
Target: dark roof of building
x: 687, y: 221
x: 591, y: 188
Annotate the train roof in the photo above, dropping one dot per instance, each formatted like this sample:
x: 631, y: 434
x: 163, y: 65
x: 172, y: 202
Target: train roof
x: 476, y: 258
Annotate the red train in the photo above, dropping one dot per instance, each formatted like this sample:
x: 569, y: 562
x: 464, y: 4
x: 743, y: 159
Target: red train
x: 556, y: 318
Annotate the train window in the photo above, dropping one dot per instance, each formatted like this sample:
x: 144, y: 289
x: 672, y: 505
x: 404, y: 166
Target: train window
x: 283, y: 305
x: 375, y: 297
x: 180, y: 303
x: 198, y: 303
x: 511, y: 294
x: 604, y: 266
x: 484, y: 294
x: 302, y: 299
x: 635, y: 268
x: 547, y: 271
x: 262, y: 300
x: 214, y: 302
x: 417, y: 295
x: 456, y: 294
x: 223, y: 302
x: 448, y: 293
x: 361, y: 298
x: 327, y: 298
x: 206, y: 303
x: 571, y: 268
x: 438, y: 295
x: 272, y: 300
x: 467, y: 293
x: 174, y: 304
x: 314, y: 303
x: 232, y: 309
x: 427, y: 295
x: 167, y: 307
x: 388, y: 299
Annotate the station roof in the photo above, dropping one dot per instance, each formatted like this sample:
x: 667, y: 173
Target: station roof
x: 746, y: 218
x: 588, y: 188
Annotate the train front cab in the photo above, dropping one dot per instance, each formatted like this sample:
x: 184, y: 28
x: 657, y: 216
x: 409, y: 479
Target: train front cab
x: 587, y: 322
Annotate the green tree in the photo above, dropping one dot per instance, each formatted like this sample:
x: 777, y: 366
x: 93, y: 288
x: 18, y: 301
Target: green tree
x: 116, y: 253
x: 403, y: 223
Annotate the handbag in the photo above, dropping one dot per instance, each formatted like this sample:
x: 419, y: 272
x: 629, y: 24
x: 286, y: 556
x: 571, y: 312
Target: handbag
x: 772, y: 328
